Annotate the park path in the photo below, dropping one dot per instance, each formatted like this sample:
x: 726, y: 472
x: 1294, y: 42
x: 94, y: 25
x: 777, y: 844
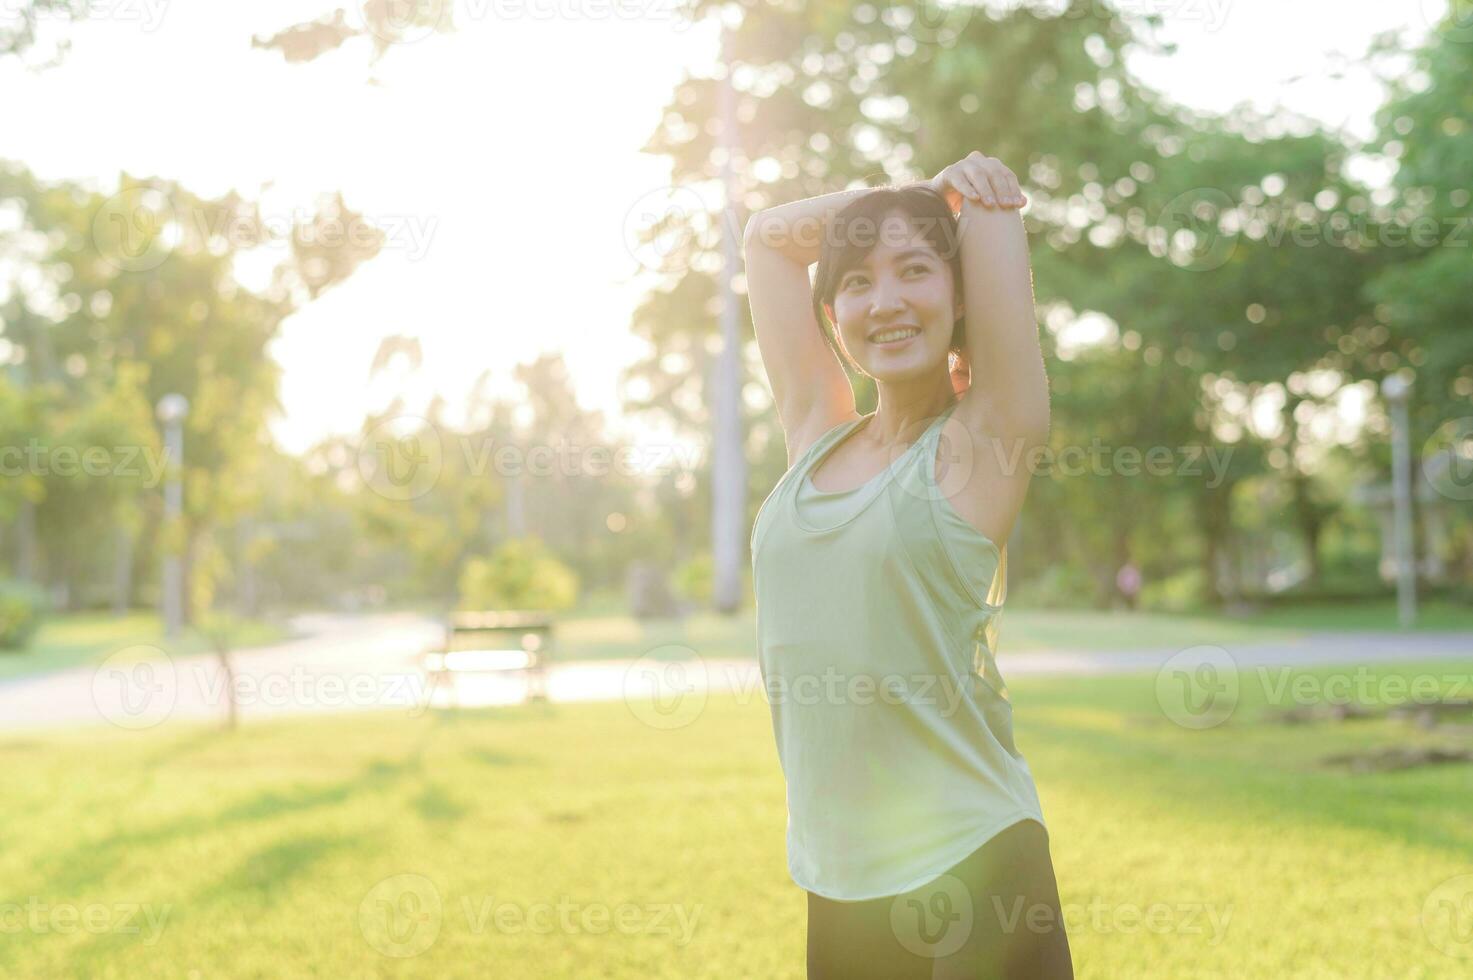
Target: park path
x: 369, y: 662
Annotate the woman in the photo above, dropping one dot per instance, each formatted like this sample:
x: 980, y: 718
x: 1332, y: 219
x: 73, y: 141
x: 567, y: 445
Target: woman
x: 913, y: 822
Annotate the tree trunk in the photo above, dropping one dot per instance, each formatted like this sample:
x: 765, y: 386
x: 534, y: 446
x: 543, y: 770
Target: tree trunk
x: 1214, y: 515
x: 1418, y: 531
x: 25, y: 542
x: 1310, y: 522
x: 144, y: 549
x: 187, y: 563
x: 122, y: 570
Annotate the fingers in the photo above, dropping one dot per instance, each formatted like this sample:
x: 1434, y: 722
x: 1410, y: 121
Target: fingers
x: 961, y: 183
x: 1014, y: 191
x: 977, y: 187
x: 1004, y: 185
x: 974, y: 166
x: 997, y: 186
x: 990, y: 195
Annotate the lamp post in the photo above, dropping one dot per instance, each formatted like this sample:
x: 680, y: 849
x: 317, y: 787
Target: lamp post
x: 729, y: 466
x: 1397, y: 389
x: 172, y: 410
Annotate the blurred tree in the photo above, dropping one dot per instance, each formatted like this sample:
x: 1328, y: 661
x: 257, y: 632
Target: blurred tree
x: 384, y: 23
x: 119, y: 300
x: 22, y: 30
x: 1425, y: 305
x: 566, y: 465
x: 86, y: 510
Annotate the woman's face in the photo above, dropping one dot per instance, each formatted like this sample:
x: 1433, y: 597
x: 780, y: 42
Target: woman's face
x: 903, y: 284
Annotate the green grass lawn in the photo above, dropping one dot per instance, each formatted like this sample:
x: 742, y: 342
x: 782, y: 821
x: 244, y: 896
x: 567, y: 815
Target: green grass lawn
x: 325, y: 847
x: 611, y: 634
x: 1034, y: 629
x: 604, y: 632
x: 85, y: 638
x: 1378, y: 614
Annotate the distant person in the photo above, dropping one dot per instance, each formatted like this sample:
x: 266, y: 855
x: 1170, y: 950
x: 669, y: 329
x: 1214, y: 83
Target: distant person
x: 914, y: 824
x: 1128, y: 583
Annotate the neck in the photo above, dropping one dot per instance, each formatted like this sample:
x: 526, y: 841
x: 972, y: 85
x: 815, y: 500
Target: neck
x: 901, y: 416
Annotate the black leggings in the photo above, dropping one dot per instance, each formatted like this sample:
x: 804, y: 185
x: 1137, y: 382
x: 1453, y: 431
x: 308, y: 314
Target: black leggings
x: 993, y: 916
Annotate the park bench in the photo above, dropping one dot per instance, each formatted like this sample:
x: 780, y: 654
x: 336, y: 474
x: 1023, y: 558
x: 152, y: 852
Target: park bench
x: 493, y: 642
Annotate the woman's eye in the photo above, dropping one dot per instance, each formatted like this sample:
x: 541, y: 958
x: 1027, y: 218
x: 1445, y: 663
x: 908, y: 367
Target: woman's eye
x: 909, y: 268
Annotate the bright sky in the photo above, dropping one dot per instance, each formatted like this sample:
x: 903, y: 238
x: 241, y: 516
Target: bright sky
x: 504, y: 160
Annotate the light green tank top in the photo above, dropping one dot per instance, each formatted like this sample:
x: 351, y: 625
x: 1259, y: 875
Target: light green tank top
x: 876, y: 629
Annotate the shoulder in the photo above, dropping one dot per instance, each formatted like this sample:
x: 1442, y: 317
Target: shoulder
x: 804, y: 436
x: 982, y: 417
x: 983, y: 466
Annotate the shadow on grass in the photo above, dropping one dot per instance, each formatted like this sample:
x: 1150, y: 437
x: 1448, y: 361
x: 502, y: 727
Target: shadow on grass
x: 438, y: 806
x: 269, y: 872
x: 490, y: 757
x: 258, y: 880
x: 1156, y: 760
x: 93, y: 862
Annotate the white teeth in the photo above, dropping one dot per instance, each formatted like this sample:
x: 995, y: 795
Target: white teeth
x: 889, y: 335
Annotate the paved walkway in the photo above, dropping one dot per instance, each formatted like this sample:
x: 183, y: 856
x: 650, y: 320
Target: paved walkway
x: 1313, y: 649
x: 369, y: 662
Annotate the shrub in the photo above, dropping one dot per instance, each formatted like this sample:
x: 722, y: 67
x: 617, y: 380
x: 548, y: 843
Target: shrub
x: 1179, y: 592
x: 521, y: 574
x: 695, y: 579
x: 1060, y: 586
x: 22, y: 607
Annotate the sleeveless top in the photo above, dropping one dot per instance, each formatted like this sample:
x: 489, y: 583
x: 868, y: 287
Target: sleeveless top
x: 877, y: 627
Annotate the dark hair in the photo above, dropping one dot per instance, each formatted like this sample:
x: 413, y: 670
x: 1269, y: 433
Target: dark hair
x: 852, y: 234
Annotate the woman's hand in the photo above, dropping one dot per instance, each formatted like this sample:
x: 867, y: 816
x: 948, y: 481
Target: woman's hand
x: 979, y: 178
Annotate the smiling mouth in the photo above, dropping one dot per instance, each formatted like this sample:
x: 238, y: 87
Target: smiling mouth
x: 893, y: 336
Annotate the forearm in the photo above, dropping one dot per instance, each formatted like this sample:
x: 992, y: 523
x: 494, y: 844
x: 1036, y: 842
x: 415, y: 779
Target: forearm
x: 1002, y: 328
x: 796, y: 231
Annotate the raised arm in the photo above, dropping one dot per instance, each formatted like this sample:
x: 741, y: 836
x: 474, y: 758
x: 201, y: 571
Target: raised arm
x: 1008, y: 395
x: 1005, y: 407
x: 808, y: 383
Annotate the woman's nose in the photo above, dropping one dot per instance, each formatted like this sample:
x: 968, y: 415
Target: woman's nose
x: 887, y: 299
